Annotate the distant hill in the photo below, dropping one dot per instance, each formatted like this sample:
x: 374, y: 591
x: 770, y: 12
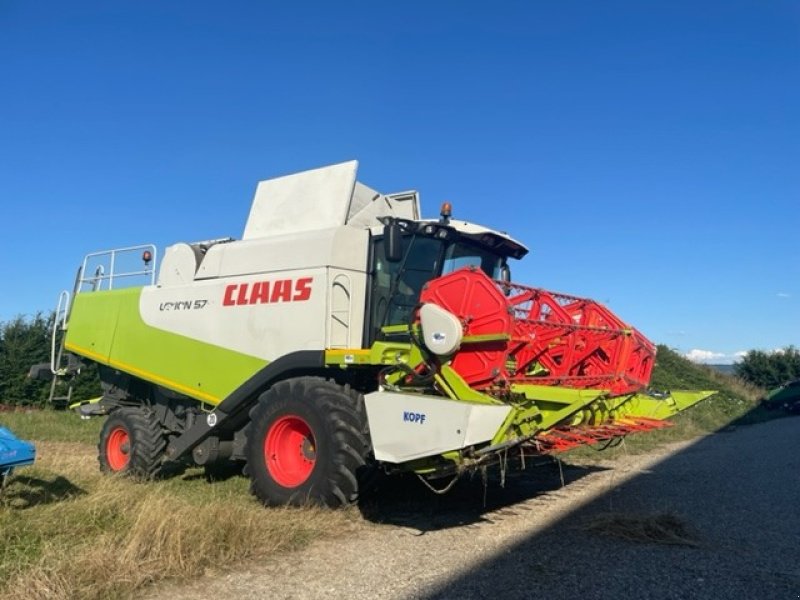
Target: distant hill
x: 733, y: 400
x: 673, y: 371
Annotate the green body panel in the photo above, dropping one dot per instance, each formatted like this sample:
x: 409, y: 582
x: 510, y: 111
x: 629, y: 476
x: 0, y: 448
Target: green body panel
x: 540, y: 407
x: 458, y: 389
x: 546, y: 407
x: 655, y: 407
x: 106, y: 327
x: 787, y: 395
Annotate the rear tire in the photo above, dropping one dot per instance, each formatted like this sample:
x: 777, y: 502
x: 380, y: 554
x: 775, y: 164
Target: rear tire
x: 131, y: 443
x: 307, y: 443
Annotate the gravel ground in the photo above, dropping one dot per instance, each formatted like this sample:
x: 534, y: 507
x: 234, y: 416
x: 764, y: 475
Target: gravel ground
x: 737, y: 492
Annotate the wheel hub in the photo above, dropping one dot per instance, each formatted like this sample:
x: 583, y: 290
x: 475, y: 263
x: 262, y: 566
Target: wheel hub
x: 308, y: 450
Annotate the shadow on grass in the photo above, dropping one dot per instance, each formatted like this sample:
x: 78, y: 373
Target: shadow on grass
x: 25, y: 492
x: 405, y: 501
x: 214, y: 473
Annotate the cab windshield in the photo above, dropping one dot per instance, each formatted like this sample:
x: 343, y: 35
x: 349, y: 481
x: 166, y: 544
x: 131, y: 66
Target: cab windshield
x: 396, y: 286
x: 462, y: 254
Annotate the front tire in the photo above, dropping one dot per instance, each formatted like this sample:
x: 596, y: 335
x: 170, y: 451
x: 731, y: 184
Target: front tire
x: 307, y: 443
x: 131, y: 443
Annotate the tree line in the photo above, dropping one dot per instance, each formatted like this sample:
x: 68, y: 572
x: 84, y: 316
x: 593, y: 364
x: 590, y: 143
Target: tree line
x: 24, y: 342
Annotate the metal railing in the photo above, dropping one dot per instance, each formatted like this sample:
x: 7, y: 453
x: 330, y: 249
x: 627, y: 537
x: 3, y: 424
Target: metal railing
x: 105, y: 265
x: 59, y: 322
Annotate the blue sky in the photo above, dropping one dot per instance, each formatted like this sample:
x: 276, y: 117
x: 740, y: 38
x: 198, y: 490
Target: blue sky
x: 647, y: 152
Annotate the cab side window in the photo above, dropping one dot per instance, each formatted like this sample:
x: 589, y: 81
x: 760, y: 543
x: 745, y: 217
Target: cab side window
x: 396, y: 286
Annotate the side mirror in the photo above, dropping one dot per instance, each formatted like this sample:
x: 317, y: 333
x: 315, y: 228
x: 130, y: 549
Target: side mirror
x: 505, y: 277
x: 393, y: 242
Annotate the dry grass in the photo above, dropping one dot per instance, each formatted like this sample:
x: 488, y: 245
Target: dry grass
x: 751, y: 392
x: 68, y: 532
x: 663, y: 528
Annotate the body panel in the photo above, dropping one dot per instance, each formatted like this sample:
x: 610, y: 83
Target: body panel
x: 408, y: 426
x: 195, y: 368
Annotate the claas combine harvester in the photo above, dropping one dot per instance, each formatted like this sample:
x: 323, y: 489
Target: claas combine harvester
x: 342, y: 335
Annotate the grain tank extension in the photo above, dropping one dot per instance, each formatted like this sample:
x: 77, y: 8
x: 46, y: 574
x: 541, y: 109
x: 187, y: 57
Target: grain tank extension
x: 342, y: 334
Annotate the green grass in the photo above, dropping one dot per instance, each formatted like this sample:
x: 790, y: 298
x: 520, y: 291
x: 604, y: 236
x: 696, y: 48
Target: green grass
x: 51, y: 425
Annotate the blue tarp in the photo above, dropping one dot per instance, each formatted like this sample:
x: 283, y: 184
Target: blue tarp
x: 14, y: 452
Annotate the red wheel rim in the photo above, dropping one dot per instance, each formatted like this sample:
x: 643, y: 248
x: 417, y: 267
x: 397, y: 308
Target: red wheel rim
x: 118, y: 448
x: 290, y: 451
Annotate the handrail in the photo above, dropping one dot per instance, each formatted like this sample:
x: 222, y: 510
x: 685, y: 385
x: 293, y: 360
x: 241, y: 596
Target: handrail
x: 60, y: 317
x: 100, y: 275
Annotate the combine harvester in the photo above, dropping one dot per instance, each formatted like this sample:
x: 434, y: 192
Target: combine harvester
x: 342, y: 334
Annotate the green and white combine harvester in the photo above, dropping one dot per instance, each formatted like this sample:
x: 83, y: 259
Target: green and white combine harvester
x: 343, y: 334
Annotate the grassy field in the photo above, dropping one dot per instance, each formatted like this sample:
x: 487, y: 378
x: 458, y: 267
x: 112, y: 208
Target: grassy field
x: 68, y: 532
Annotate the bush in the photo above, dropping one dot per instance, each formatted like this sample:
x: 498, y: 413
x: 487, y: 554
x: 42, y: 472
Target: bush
x: 770, y: 369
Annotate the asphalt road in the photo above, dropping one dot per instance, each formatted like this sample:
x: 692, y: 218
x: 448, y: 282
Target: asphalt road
x: 737, y: 493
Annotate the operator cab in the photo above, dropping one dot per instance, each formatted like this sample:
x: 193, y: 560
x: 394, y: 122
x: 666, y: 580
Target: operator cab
x: 409, y: 253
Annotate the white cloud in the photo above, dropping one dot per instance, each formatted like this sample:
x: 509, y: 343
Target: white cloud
x: 783, y: 295
x: 697, y: 355
x: 703, y: 356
